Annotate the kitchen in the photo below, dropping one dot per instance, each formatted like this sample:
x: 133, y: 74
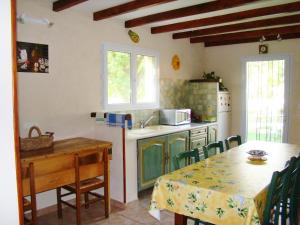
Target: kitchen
x: 62, y: 100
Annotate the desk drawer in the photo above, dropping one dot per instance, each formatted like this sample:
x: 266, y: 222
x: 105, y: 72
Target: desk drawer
x: 198, y: 141
x: 199, y: 131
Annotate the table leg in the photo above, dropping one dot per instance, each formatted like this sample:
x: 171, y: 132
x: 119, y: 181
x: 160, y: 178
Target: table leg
x: 108, y: 191
x: 180, y: 219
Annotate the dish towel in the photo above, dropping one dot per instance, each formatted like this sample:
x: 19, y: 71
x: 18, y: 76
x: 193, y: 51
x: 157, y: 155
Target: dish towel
x: 119, y: 120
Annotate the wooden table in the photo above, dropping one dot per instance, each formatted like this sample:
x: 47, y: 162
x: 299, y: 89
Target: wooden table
x: 225, y: 189
x: 56, y: 169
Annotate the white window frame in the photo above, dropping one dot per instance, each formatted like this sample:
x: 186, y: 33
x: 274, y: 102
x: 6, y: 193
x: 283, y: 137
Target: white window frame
x: 133, y: 51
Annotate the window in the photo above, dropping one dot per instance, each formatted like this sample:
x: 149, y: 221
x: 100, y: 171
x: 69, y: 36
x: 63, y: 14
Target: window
x: 130, y: 78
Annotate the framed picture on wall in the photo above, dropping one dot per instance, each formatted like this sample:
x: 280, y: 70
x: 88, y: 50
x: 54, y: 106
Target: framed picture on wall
x: 32, y: 57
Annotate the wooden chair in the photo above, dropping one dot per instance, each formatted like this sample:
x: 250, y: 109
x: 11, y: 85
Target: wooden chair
x: 86, y: 186
x: 30, y: 205
x: 188, y: 156
x: 233, y: 139
x: 275, y: 211
x: 211, y: 149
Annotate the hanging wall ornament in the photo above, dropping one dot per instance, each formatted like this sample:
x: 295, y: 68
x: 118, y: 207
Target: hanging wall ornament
x: 134, y: 36
x: 176, y: 62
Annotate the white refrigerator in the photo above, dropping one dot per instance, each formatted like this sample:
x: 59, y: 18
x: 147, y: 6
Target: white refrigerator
x: 224, y: 115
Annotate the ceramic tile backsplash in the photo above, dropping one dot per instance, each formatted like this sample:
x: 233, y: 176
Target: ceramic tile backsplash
x: 173, y: 94
x: 180, y: 93
x: 202, y: 99
x: 138, y: 115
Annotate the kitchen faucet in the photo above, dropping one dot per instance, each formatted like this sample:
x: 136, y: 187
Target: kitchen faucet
x: 143, y: 123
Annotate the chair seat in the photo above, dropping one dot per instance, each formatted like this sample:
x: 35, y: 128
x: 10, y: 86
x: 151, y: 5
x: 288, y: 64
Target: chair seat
x: 86, y: 185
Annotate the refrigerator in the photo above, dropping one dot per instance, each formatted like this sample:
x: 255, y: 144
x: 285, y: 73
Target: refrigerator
x: 223, y: 115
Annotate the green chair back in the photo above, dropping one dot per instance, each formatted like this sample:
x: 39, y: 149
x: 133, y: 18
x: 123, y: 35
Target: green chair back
x: 275, y: 211
x: 211, y: 149
x: 228, y: 141
x: 293, y: 193
x: 188, y: 156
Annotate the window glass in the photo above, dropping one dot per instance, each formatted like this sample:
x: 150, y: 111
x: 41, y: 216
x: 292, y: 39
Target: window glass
x: 146, y: 79
x: 118, y: 69
x: 130, y: 78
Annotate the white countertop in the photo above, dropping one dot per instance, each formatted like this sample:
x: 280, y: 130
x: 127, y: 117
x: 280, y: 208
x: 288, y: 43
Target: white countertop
x: 157, y: 130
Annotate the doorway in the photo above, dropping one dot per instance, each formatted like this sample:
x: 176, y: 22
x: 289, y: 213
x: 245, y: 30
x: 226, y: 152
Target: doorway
x: 266, y: 105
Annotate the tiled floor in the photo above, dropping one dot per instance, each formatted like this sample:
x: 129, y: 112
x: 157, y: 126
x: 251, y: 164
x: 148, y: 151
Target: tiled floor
x: 135, y: 213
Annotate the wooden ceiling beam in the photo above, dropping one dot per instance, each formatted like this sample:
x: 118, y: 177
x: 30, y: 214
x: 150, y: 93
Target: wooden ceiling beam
x: 64, y: 4
x: 251, y: 40
x: 247, y: 34
x: 239, y: 26
x: 126, y: 8
x: 284, y: 8
x: 186, y: 11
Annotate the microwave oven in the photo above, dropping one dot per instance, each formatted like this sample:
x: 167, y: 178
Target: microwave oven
x: 175, y: 116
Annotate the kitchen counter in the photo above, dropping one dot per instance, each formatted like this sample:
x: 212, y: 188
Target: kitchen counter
x: 157, y: 130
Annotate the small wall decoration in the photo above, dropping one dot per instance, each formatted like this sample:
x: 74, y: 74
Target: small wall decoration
x: 134, y: 36
x: 263, y: 49
x: 32, y: 57
x: 176, y: 62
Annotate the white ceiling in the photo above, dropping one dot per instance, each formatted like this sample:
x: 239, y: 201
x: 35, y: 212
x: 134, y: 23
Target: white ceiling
x: 91, y: 6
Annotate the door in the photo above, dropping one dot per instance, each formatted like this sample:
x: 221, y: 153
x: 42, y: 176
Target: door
x: 178, y: 142
x: 151, y: 161
x: 266, y: 108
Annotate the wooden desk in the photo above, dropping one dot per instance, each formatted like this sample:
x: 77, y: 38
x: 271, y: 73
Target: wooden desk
x: 56, y: 169
x: 225, y: 189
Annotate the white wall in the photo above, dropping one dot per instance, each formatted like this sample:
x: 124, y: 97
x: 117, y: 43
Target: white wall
x: 9, y: 208
x: 226, y: 62
x: 62, y: 100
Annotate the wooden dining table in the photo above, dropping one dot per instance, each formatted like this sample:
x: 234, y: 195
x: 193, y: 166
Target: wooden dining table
x: 56, y: 168
x: 225, y: 189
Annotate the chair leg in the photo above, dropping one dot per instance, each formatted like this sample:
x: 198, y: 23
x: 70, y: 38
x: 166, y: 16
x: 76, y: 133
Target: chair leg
x: 197, y: 222
x: 78, y: 219
x: 33, y: 216
x: 86, y: 200
x: 106, y: 201
x: 59, y: 204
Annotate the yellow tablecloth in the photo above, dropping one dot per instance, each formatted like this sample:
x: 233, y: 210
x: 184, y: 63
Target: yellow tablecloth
x: 224, y: 189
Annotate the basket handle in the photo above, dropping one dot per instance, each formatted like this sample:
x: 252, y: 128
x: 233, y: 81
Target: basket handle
x: 34, y: 128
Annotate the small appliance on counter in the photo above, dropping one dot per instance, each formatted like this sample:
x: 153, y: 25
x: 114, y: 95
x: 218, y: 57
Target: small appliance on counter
x: 175, y: 116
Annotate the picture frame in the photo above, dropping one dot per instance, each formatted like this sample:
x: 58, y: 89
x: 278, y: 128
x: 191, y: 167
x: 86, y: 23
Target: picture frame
x: 32, y: 57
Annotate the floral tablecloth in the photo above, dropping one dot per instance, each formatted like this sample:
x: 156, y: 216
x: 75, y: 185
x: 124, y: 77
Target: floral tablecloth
x: 224, y: 189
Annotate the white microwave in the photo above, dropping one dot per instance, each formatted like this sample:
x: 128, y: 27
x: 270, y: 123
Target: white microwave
x: 175, y: 116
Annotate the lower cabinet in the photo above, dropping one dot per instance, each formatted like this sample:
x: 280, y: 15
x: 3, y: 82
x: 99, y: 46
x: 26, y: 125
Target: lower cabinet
x: 212, y: 133
x: 156, y: 156
x: 198, y: 139
x: 178, y: 142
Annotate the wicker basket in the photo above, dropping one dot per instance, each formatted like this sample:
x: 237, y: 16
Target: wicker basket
x: 36, y: 143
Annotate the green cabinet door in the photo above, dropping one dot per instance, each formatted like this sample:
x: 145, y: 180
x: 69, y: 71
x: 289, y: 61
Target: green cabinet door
x: 151, y: 161
x: 177, y: 142
x: 212, y: 133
